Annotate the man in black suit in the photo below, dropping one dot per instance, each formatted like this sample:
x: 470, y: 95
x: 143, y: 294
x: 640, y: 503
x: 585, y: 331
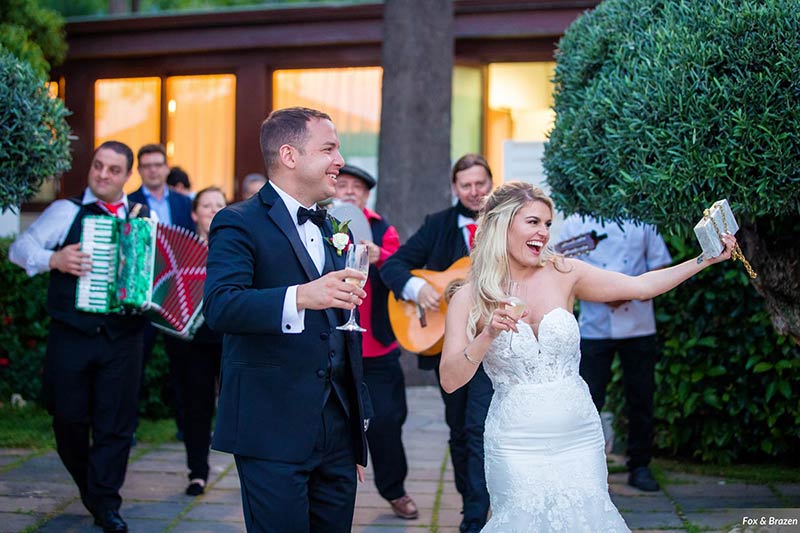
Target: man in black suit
x: 91, y: 369
x: 292, y: 405
x: 444, y: 238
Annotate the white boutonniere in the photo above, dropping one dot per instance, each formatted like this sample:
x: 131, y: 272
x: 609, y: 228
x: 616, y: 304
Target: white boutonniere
x: 340, y: 239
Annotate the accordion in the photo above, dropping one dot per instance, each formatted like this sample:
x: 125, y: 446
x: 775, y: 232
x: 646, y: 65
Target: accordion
x: 142, y: 265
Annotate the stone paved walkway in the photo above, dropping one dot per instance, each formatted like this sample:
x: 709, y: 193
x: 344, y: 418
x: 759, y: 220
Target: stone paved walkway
x: 36, y: 493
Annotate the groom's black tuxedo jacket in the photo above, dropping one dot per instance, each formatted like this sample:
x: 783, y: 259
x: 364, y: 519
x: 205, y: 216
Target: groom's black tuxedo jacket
x: 272, y: 383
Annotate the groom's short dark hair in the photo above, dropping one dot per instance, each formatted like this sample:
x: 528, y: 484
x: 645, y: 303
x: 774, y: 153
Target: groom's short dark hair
x: 286, y: 126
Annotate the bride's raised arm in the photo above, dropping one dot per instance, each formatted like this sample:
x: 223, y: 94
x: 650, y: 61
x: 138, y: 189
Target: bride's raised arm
x: 597, y: 285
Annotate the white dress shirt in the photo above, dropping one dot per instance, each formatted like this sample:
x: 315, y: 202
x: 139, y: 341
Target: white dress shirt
x: 632, y: 250
x: 34, y: 247
x: 293, y: 321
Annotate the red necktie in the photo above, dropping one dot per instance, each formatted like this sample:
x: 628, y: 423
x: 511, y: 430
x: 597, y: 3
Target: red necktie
x: 471, y: 228
x: 112, y: 208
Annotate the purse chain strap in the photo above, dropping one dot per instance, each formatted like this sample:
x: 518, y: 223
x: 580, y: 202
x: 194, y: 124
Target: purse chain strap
x: 737, y: 252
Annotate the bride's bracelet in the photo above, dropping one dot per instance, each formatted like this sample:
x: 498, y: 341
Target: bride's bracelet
x: 470, y: 359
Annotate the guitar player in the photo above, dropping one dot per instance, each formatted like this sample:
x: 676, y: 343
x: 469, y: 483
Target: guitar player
x: 444, y: 238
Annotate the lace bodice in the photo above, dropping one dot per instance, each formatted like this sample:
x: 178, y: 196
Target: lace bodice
x: 553, y: 356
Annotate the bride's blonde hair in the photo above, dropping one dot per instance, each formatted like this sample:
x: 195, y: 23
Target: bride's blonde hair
x: 490, y: 270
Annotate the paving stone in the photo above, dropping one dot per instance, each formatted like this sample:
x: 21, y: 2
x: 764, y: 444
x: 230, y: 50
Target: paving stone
x: 48, y: 489
x: 25, y: 504
x: 720, y: 490
x: 143, y: 525
x: 152, y: 510
x: 228, y: 482
x: 149, y: 465
x: 390, y: 529
x: 69, y: 523
x: 15, y: 522
x: 703, y: 503
x: 42, y: 468
x: 198, y: 526
x: 364, y: 516
x: 719, y: 520
x: 219, y: 512
x: 368, y: 499
x: 637, y: 520
x: 643, y: 504
x: 450, y: 517
x: 218, y: 495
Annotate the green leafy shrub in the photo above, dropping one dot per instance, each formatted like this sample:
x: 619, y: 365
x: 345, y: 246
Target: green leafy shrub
x: 726, y: 385
x: 34, y: 135
x: 23, y: 341
x: 23, y: 335
x: 33, y: 34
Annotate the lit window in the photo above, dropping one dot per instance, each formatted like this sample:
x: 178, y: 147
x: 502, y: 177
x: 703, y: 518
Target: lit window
x: 352, y: 98
x: 520, y: 115
x: 127, y: 110
x: 200, y: 129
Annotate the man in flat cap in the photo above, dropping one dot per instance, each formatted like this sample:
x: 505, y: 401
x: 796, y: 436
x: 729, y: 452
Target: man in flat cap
x: 381, y: 354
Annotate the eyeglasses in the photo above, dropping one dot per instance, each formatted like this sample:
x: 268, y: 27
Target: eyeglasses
x: 148, y: 166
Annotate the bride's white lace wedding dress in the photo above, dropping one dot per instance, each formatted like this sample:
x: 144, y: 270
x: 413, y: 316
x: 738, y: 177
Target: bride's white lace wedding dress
x: 545, y: 459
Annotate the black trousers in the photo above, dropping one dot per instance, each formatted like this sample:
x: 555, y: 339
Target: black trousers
x: 196, y: 369
x: 638, y: 357
x: 91, y: 387
x: 175, y: 394
x: 465, y: 413
x: 315, y: 496
x: 387, y: 390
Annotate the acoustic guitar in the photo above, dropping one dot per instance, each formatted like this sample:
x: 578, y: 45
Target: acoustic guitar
x: 421, y: 330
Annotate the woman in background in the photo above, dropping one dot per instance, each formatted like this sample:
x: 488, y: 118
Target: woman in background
x: 196, y: 365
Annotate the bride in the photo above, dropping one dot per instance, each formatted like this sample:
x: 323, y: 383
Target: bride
x: 545, y: 460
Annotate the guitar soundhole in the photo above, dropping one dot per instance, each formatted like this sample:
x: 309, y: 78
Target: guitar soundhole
x: 451, y: 289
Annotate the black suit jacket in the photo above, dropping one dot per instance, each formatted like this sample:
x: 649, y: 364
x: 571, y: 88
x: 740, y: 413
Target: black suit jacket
x: 435, y: 246
x: 272, y: 383
x: 180, y: 207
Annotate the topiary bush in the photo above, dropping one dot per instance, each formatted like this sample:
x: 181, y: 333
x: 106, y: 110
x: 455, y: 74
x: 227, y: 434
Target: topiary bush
x: 665, y: 106
x: 34, y: 135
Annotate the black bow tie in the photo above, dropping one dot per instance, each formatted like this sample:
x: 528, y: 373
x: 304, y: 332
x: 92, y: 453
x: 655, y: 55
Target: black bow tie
x: 316, y: 216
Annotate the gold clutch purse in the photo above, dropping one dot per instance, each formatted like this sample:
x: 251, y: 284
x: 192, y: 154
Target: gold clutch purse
x: 718, y: 220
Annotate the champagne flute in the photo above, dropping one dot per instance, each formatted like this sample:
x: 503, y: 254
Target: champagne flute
x: 357, y: 259
x: 515, y: 303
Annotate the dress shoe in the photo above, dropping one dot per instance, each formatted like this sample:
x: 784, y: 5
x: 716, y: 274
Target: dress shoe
x: 110, y: 520
x: 196, y: 487
x: 642, y: 479
x: 470, y: 527
x: 404, y: 507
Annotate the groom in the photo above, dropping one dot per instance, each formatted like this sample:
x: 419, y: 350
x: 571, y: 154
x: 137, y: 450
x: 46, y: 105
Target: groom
x: 291, y: 404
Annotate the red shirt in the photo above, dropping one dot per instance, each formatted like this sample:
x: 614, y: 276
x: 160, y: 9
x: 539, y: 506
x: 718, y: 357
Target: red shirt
x: 371, y: 347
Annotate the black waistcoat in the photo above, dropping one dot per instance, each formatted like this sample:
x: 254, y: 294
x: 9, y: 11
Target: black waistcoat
x: 61, y: 292
x: 338, y: 376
